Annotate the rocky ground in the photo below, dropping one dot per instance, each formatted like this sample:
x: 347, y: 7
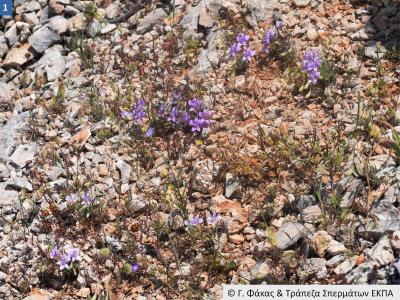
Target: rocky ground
x: 230, y: 170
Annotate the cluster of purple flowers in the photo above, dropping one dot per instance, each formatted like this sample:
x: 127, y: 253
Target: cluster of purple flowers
x: 201, y: 116
x: 66, y: 257
x: 270, y: 34
x: 193, y: 114
x: 267, y: 39
x: 86, y: 198
x: 137, y: 114
x: 214, y: 218
x: 241, y: 44
x: 310, y: 65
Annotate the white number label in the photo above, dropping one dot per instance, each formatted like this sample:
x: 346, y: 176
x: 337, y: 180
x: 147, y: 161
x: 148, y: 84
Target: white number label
x: 5, y: 7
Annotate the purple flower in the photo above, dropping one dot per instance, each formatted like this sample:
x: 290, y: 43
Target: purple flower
x: 196, y: 220
x: 279, y: 24
x: 310, y: 65
x: 267, y: 39
x: 248, y: 54
x: 64, y: 261
x: 176, y: 96
x: 185, y: 117
x: 194, y: 104
x: 235, y: 48
x: 242, y: 39
x: 126, y: 114
x: 161, y: 111
x: 149, y: 132
x: 71, y: 198
x: 196, y: 124
x: 86, y: 199
x: 214, y: 218
x: 134, y: 267
x: 73, y: 254
x: 54, y: 252
x: 138, y: 111
x: 173, y: 115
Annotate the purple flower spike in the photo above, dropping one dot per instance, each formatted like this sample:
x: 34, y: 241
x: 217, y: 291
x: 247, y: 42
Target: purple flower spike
x: 194, y: 221
x: 185, y: 118
x: 149, y: 132
x: 196, y: 124
x: 248, y: 54
x: 71, y: 198
x: 161, y: 111
x: 235, y: 48
x: 310, y: 65
x: 173, y: 115
x: 194, y: 104
x: 54, y: 252
x: 86, y: 199
x: 267, y: 39
x: 242, y: 39
x: 138, y: 111
x: 279, y: 24
x: 134, y: 267
x: 73, y: 254
x: 64, y: 261
x: 126, y: 114
x: 214, y: 218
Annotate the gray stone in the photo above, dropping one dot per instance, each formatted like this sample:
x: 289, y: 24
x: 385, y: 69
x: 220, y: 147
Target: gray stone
x: 3, y: 46
x: 262, y: 270
x: 18, y: 183
x: 31, y: 6
x: 289, y: 234
x: 376, y: 228
x: 52, y: 63
x: 8, y: 198
x: 18, y: 56
x: 4, y: 172
x: 311, y: 214
x: 11, y: 35
x: 71, y: 11
x: 93, y: 28
x: 304, y: 201
x: 346, y: 266
x: 150, y: 20
x: 125, y: 170
x: 336, y: 260
x: 314, y: 265
x: 204, y: 173
x: 385, y: 210
x: 232, y: 185
x: 360, y: 275
x: 55, y: 173
x: 371, y: 51
x: 137, y: 204
x: 346, y: 190
x: 206, y: 60
x: 113, y: 10
x: 59, y: 24
x: 23, y: 154
x: 8, y: 135
x: 30, y: 18
x: 262, y: 10
x: 336, y: 248
x: 301, y: 3
x: 108, y: 28
x: 114, y: 243
x: 382, y: 253
x: 6, y: 95
x: 43, y: 38
x: 190, y: 20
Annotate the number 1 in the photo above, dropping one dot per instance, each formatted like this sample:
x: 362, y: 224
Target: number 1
x: 5, y: 7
